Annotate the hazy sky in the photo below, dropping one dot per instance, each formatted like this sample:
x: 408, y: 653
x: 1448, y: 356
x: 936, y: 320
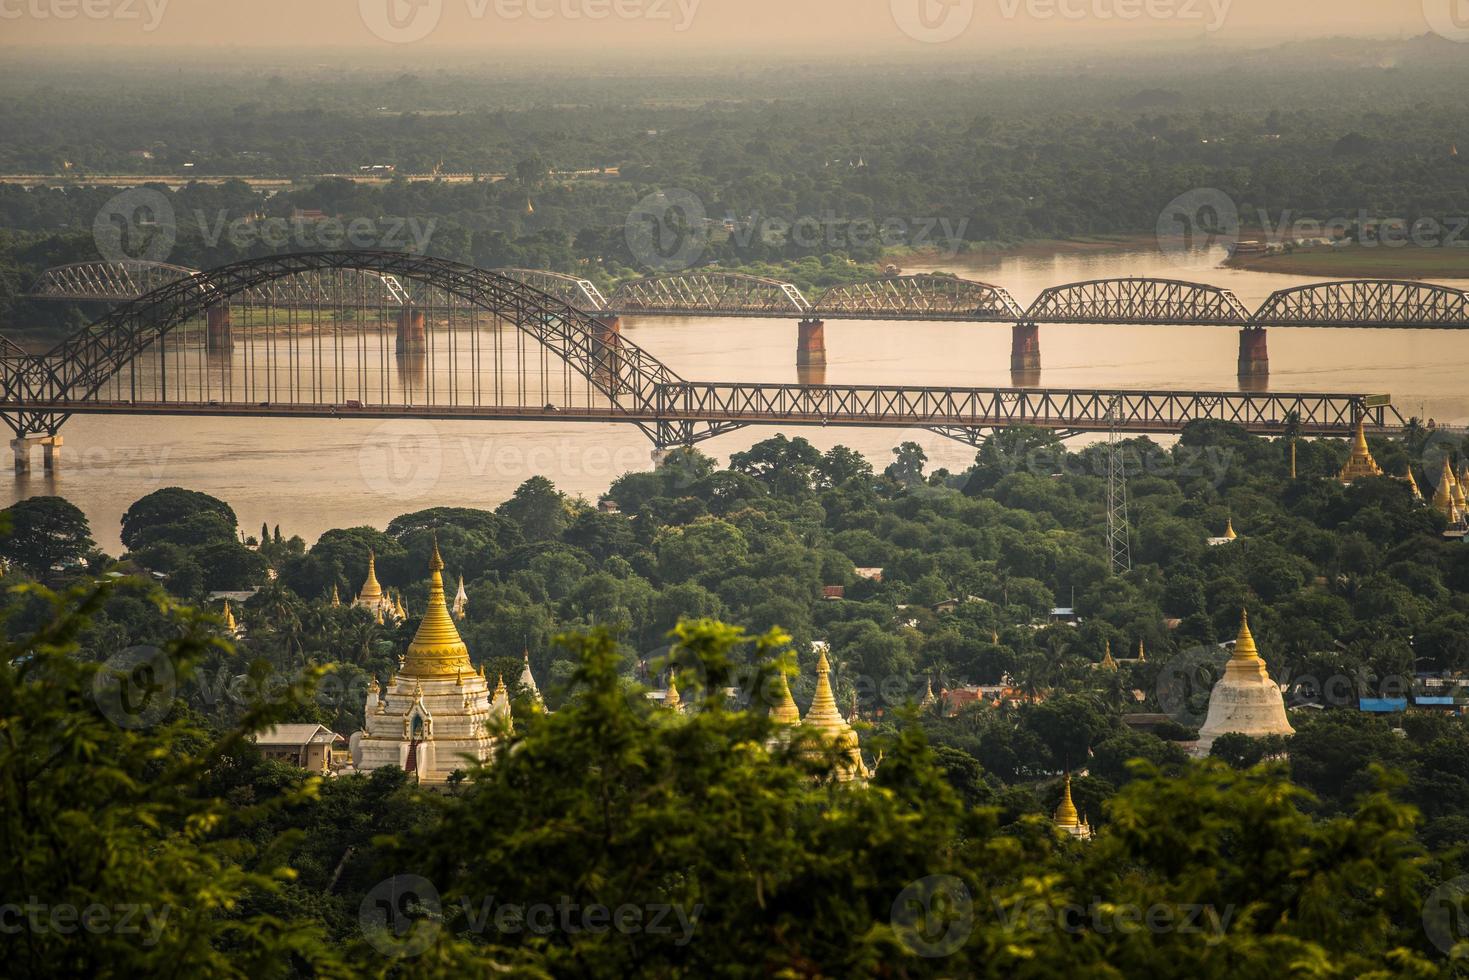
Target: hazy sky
x: 821, y: 27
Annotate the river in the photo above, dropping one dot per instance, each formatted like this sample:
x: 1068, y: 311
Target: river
x: 311, y: 475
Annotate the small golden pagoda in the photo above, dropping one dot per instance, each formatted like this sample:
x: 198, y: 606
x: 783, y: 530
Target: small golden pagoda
x: 336, y: 597
x: 783, y: 710
x: 671, y: 700
x: 1107, y: 662
x: 1412, y: 483
x: 928, y: 700
x: 1142, y: 655
x: 824, y: 718
x: 1229, y: 528
x: 372, y: 597
x: 436, y: 650
x: 1360, y: 464
x: 230, y: 626
x: 1067, y: 819
x: 1443, y: 495
x: 1457, y: 488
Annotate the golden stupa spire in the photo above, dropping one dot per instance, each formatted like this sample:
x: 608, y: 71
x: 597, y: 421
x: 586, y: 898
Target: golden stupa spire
x: 371, y: 590
x: 1107, y: 662
x: 671, y: 700
x: 1142, y: 655
x: 1457, y: 489
x: 1066, y: 816
x: 824, y: 717
x: 229, y: 618
x: 1360, y: 464
x: 1244, y: 644
x: 437, y: 649
x: 1229, y: 534
x: 1412, y: 483
x: 784, y: 710
x: 1443, y: 494
x: 336, y: 596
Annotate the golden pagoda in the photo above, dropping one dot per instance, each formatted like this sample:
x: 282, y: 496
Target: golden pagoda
x: 1067, y: 819
x: 671, y: 700
x: 1443, y: 495
x: 824, y: 718
x: 928, y: 700
x: 372, y: 597
x: 336, y: 597
x: 1457, y: 489
x: 1360, y: 464
x: 1245, y: 700
x: 1229, y: 528
x: 230, y: 626
x: 784, y: 710
x: 1107, y: 662
x: 433, y: 716
x: 1142, y: 655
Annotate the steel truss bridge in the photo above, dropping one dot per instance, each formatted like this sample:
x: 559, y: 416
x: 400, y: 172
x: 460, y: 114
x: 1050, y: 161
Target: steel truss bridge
x: 1375, y: 303
x: 365, y: 334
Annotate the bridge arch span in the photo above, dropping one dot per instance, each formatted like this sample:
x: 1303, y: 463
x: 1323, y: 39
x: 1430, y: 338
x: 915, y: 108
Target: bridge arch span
x: 102, y: 281
x: 77, y: 368
x: 578, y: 292
x: 1130, y: 300
x: 1366, y: 303
x: 937, y: 297
x: 709, y: 293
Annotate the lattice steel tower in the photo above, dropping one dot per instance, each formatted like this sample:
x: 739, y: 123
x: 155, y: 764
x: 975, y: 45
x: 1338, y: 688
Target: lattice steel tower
x: 1118, y: 532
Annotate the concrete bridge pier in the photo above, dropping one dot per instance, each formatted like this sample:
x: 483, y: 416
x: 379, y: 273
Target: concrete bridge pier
x: 1025, y: 350
x: 218, y: 334
x: 1254, y: 355
x: 50, y: 453
x: 811, y: 343
x: 412, y: 334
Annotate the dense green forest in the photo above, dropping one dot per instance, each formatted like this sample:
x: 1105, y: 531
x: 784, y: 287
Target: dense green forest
x: 945, y: 156
x: 1339, y: 847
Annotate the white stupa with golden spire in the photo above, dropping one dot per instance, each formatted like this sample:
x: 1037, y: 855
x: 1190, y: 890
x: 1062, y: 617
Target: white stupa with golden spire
x: 1066, y: 818
x: 824, y: 718
x: 432, y: 718
x: 461, y: 600
x: 1245, y: 700
x: 528, y: 680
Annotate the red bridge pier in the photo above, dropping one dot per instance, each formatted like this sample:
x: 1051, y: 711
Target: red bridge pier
x: 811, y: 343
x: 1254, y: 354
x: 218, y: 333
x: 607, y: 338
x: 1025, y: 349
x: 412, y: 336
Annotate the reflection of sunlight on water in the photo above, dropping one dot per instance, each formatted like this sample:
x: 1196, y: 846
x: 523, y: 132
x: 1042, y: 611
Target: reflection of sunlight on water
x: 305, y: 474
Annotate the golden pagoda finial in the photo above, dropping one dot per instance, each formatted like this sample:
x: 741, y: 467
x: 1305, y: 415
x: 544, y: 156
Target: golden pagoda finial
x: 500, y: 687
x: 229, y: 618
x: 1360, y: 464
x: 824, y: 717
x: 437, y: 649
x: 671, y: 700
x: 1066, y: 816
x: 1229, y: 534
x: 1456, y: 487
x: 336, y: 597
x: 1107, y: 662
x: 371, y: 590
x: 1142, y: 655
x: 1244, y: 644
x: 784, y: 710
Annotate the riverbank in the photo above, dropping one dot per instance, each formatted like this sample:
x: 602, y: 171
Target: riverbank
x: 1361, y: 262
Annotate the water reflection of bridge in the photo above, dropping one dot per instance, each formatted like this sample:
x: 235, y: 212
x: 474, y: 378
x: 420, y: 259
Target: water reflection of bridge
x: 379, y: 335
x: 1369, y: 303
